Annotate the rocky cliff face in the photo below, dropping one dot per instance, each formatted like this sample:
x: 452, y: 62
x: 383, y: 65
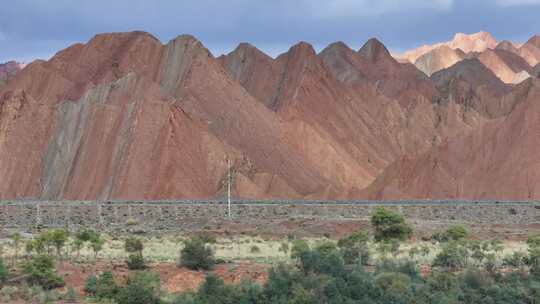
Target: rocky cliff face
x: 497, y: 161
x: 127, y: 117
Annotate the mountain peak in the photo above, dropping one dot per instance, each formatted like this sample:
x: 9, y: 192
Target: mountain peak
x: 302, y: 46
x: 374, y: 50
x: 338, y: 46
x: 534, y: 40
x: 506, y: 45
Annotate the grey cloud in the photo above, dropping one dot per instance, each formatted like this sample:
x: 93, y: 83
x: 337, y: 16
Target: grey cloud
x: 39, y: 28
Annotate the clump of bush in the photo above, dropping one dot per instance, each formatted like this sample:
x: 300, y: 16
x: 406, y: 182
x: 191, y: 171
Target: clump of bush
x: 41, y: 271
x: 197, y: 255
x: 135, y: 247
x: 355, y: 248
x: 101, y: 287
x: 141, y: 288
x: 453, y: 233
x: 390, y: 225
x: 255, y: 249
x: 3, y: 272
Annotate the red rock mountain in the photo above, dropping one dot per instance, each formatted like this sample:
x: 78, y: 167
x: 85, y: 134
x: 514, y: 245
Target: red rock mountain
x: 497, y: 161
x: 439, y: 58
x: 477, y: 42
x: 507, y: 66
x: 510, y: 63
x: 127, y: 117
x: 530, y: 51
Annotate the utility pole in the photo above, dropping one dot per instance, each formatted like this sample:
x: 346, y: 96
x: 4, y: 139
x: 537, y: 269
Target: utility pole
x: 229, y: 188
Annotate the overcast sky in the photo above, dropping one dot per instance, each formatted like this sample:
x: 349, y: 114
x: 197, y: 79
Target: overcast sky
x: 31, y: 29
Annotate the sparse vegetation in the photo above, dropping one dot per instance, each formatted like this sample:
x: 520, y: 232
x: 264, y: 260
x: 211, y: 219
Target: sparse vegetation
x: 41, y: 271
x: 197, y: 255
x: 461, y: 269
x: 390, y: 226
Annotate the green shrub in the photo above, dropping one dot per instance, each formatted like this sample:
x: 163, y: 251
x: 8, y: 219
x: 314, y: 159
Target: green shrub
x: 133, y: 245
x: 135, y: 262
x: 456, y: 232
x: 96, y: 244
x: 3, y: 272
x: 396, y: 287
x: 196, y: 255
x: 298, y: 246
x: 255, y: 249
x: 102, y: 287
x: 322, y: 261
x: 284, y: 247
x: 90, y: 285
x: 517, y: 259
x: 58, y: 238
x: 86, y: 235
x: 131, y: 222
x: 208, y: 238
x: 390, y: 226
x: 141, y: 288
x: 71, y: 295
x: 533, y: 241
x: 41, y: 271
x: 452, y: 256
x: 355, y: 248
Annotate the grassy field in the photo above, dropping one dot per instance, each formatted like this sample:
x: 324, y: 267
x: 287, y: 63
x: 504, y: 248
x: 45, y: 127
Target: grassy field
x: 166, y: 248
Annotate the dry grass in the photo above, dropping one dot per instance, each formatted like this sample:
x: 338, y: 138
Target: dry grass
x: 166, y: 249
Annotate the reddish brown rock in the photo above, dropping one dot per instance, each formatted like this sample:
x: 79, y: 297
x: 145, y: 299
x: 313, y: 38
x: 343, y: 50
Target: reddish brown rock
x: 477, y: 42
x: 127, y: 117
x: 509, y: 67
x: 530, y: 51
x: 498, y: 161
x: 439, y: 58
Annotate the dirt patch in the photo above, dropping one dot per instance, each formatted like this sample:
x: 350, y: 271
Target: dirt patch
x: 173, y: 278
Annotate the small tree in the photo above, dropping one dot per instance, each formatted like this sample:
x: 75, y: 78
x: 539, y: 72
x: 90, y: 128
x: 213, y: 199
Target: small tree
x: 77, y: 245
x: 197, y: 255
x: 41, y: 271
x: 16, y: 240
x: 298, y: 246
x: 533, y: 241
x: 355, y: 248
x: 58, y: 238
x: 3, y: 272
x: 135, y: 262
x: 134, y: 245
x: 390, y: 226
x: 85, y: 235
x: 456, y: 232
x: 102, y: 287
x: 453, y: 256
x: 414, y: 252
x: 141, y: 288
x: 96, y: 243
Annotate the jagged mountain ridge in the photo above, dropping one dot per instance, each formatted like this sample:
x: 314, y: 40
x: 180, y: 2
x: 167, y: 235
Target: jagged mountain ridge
x: 512, y: 63
x: 127, y: 117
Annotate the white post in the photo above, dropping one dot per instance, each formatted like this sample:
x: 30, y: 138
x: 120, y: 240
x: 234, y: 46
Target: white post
x: 229, y: 188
